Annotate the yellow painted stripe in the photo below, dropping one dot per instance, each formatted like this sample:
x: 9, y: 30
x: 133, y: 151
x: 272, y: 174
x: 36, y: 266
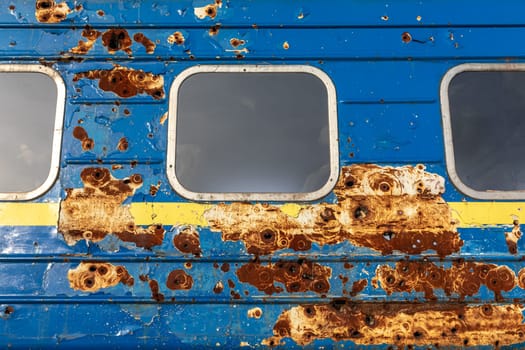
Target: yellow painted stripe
x: 28, y: 214
x: 467, y: 214
x: 169, y: 213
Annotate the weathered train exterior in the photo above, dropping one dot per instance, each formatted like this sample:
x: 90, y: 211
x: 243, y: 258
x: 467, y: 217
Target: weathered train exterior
x: 393, y: 255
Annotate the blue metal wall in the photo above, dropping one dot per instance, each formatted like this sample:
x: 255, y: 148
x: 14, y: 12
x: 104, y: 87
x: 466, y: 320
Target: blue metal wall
x: 386, y: 60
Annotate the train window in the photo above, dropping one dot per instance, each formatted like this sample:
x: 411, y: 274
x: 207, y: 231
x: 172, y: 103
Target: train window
x: 483, y: 109
x: 32, y: 99
x: 252, y: 132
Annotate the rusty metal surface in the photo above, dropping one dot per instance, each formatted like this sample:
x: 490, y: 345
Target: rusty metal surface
x: 394, y: 256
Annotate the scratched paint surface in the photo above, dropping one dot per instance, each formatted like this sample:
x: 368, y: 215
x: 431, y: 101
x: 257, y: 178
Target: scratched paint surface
x: 394, y: 256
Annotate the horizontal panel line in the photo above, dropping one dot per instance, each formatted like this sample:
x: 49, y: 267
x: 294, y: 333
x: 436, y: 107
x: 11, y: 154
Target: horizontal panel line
x: 264, y: 59
x: 385, y: 102
x: 265, y: 299
x: 138, y: 259
x: 101, y: 161
x: 112, y: 101
x: 260, y: 26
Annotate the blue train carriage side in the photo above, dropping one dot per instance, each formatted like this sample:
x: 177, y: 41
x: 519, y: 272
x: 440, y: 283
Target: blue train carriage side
x: 252, y: 174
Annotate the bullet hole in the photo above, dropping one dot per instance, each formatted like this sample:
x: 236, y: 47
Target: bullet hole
x: 361, y: 212
x: 328, y: 214
x: 384, y: 18
x: 92, y: 268
x: 100, y: 13
x: 268, y: 236
x: 388, y: 235
x: 350, y: 181
x: 385, y: 187
x: 406, y: 37
x: 286, y: 46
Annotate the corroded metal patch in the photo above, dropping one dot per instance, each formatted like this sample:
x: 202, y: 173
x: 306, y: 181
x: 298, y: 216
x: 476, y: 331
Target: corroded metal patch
x: 148, y: 44
x: 297, y: 276
x: 126, y: 82
x: 93, y: 276
x: 179, y: 279
x: 84, y: 47
x: 117, y: 39
x: 209, y: 10
x: 188, y: 241
x: 81, y: 134
x: 383, y: 208
x: 462, y: 278
x: 402, y: 324
x: 512, y: 238
x: 48, y: 11
x: 92, y: 212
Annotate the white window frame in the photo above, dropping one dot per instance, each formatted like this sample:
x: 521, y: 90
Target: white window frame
x: 447, y: 128
x: 57, y: 131
x: 249, y: 196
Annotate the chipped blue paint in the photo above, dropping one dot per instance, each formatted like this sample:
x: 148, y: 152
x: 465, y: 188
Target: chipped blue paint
x: 388, y: 110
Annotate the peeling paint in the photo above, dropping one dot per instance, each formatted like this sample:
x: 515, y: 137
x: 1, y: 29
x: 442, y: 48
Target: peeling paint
x: 298, y: 276
x: 84, y: 47
x: 179, y: 279
x: 255, y: 312
x: 48, y: 11
x: 512, y: 238
x: 401, y: 324
x: 209, y: 10
x: 126, y: 82
x: 176, y: 38
x: 383, y: 208
x: 117, y: 39
x: 93, y: 276
x: 80, y: 134
x: 462, y: 278
x: 92, y: 212
x: 148, y: 44
x: 187, y: 241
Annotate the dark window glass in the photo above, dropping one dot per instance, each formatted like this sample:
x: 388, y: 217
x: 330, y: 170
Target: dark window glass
x: 27, y: 119
x: 252, y: 132
x: 487, y: 115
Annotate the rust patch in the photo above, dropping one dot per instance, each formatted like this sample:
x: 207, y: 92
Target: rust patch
x: 153, y: 189
x: 286, y: 46
x: 214, y: 30
x: 383, y: 208
x: 126, y: 82
x: 155, y: 291
x: 123, y: 144
x: 512, y: 238
x: 209, y: 10
x: 402, y: 325
x: 176, y: 38
x: 188, y: 241
x: 117, y: 39
x: 235, y: 43
x: 92, y: 212
x: 148, y: 44
x: 255, y: 312
x: 92, y: 276
x: 178, y: 279
x: 218, y: 288
x: 48, y: 11
x: 521, y: 278
x: 83, y: 47
x: 298, y: 276
x: 462, y: 278
x: 358, y: 287
x: 80, y: 134
x: 406, y: 37
x: 225, y: 267
x: 100, y: 13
